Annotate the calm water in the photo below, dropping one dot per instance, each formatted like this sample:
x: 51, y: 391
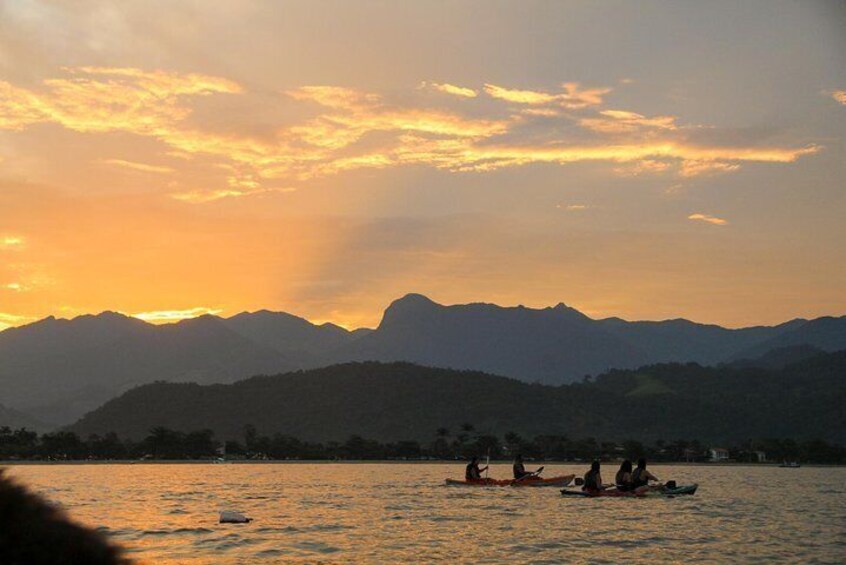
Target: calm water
x: 401, y: 512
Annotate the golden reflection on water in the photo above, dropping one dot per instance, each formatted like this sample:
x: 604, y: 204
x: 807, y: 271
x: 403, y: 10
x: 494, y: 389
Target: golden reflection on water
x: 167, y: 514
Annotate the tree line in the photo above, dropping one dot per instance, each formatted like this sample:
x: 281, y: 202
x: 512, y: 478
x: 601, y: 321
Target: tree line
x: 166, y: 444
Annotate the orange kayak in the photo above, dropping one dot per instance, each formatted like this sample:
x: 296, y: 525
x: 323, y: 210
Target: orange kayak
x: 563, y: 480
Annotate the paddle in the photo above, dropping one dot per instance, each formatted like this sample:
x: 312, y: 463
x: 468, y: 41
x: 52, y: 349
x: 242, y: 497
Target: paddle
x: 487, y: 464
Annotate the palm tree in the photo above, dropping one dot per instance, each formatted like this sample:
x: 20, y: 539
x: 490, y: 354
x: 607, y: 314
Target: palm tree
x: 440, y: 445
x: 158, y: 437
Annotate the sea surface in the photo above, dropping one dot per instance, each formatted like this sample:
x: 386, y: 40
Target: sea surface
x: 389, y: 513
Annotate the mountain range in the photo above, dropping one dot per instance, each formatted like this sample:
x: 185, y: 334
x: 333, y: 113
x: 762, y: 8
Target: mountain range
x: 56, y: 370
x: 402, y: 401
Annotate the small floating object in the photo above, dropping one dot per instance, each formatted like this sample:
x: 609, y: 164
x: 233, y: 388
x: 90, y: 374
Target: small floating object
x: 232, y: 517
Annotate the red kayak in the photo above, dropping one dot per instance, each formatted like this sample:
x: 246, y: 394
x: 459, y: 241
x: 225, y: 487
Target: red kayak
x: 596, y: 493
x: 561, y: 481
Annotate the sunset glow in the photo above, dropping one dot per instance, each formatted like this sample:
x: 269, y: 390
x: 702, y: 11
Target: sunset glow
x: 146, y: 172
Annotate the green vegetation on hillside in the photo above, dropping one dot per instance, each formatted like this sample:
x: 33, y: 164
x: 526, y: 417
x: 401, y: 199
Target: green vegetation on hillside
x: 165, y: 444
x: 399, y: 401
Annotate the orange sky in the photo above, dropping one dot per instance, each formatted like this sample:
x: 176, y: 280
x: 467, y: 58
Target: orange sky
x: 166, y: 160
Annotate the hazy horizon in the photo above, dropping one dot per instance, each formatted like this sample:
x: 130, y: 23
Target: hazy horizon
x: 648, y: 161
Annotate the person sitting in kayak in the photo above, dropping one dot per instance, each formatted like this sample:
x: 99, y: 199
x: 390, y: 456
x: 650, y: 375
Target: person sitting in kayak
x: 520, y: 471
x: 473, y: 473
x: 623, y: 480
x: 640, y: 476
x: 593, y: 479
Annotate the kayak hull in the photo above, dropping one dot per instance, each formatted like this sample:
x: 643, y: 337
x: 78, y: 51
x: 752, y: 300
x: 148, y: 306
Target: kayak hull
x: 602, y: 494
x: 561, y: 481
x: 678, y: 491
x: 479, y: 483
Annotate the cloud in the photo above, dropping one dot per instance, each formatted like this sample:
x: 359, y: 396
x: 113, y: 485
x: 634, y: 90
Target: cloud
x: 573, y: 97
x: 620, y: 121
x: 96, y: 99
x: 646, y: 166
x: 163, y: 316
x: 462, y: 156
x: 696, y: 167
x: 16, y: 287
x: 10, y: 320
x: 143, y: 167
x: 519, y: 96
x: 363, y: 113
x: 447, y: 88
x: 11, y: 242
x: 839, y: 95
x: 203, y: 196
x: 708, y: 219
x: 573, y: 207
x: 339, y: 129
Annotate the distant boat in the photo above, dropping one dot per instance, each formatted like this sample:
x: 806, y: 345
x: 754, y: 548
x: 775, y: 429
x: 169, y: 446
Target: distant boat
x: 790, y: 465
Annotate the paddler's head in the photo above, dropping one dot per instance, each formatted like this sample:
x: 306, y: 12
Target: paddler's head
x: 595, y: 465
x: 641, y: 463
x: 518, y: 458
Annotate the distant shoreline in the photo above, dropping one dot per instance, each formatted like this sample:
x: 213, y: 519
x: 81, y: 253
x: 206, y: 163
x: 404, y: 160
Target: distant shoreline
x: 383, y: 462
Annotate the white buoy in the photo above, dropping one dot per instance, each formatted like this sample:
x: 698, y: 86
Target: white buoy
x: 232, y: 517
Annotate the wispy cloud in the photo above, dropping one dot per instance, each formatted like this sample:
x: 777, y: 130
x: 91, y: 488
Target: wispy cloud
x: 11, y: 242
x: 349, y: 129
x: 447, y: 88
x: 10, y: 320
x: 708, y: 219
x: 573, y: 97
x: 203, y: 196
x: 645, y: 166
x: 95, y: 99
x: 839, y: 95
x: 621, y: 121
x: 697, y: 167
x: 143, y: 167
x: 163, y: 316
x: 572, y: 207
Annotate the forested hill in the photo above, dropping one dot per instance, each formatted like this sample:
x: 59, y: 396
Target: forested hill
x: 398, y: 401
x: 56, y: 370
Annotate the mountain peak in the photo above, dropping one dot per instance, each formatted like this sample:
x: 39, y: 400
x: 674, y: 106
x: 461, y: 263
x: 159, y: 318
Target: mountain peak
x: 410, y: 306
x: 107, y: 315
x: 414, y: 298
x: 569, y: 311
x: 203, y: 320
